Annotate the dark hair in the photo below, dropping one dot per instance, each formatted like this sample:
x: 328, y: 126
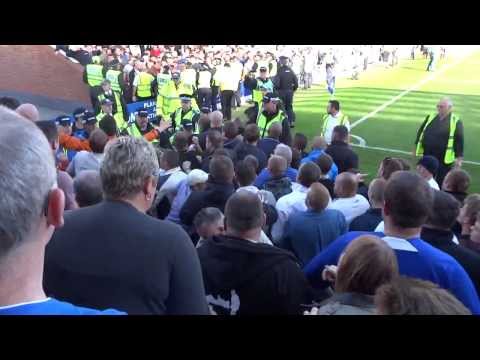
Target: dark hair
x: 408, y: 296
x: 325, y: 162
x: 243, y: 211
x: 245, y: 173
x: 252, y: 133
x: 300, y: 141
x: 221, y: 168
x: 367, y: 263
x: 108, y: 125
x: 408, y: 198
x: 253, y: 161
x: 388, y: 166
x: 405, y: 163
x: 49, y: 128
x: 230, y: 129
x: 240, y: 124
x: 206, y: 216
x: 87, y: 186
x: 9, y: 102
x: 181, y: 140
x: 340, y: 132
x: 98, y: 139
x: 215, y: 138
x: 308, y: 174
x: 171, y: 158
x: 459, y: 180
x: 444, y: 212
x: 335, y: 104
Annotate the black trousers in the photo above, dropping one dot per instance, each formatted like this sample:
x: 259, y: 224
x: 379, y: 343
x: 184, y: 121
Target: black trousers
x: 287, y: 99
x: 226, y: 99
x: 204, y: 97
x: 442, y: 171
x: 215, y: 90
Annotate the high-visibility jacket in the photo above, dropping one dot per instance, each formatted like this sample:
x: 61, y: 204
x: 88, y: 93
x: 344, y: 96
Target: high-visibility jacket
x: 168, y: 99
x: 112, y: 76
x: 217, y: 75
x: 257, y: 94
x: 188, y: 76
x: 162, y: 79
x: 263, y: 125
x: 228, y: 80
x: 119, y: 117
x: 133, y: 130
x: 144, y: 87
x: 179, y: 120
x: 449, y: 152
x: 343, y: 121
x: 94, y: 74
x: 204, y: 79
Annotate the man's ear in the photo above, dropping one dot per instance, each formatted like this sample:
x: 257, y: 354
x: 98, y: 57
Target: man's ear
x: 55, y: 208
x: 386, y: 210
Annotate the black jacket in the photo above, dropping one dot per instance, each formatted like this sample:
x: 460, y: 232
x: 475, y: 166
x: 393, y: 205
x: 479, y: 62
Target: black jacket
x: 268, y: 145
x: 343, y: 156
x: 231, y: 144
x: 243, y: 150
x: 285, y: 79
x: 253, y: 279
x: 111, y: 255
x: 469, y: 259
x: 215, y: 195
x: 368, y: 221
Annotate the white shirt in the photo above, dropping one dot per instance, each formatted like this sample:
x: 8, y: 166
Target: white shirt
x: 264, y: 195
x: 333, y: 121
x: 286, y: 206
x: 433, y: 184
x: 351, y: 207
x: 170, y: 187
x: 381, y: 228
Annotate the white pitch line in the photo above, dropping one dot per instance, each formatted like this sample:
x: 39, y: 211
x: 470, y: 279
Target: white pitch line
x: 411, y: 88
x: 401, y: 152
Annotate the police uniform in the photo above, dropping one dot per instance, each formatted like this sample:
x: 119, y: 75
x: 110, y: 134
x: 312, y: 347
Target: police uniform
x: 143, y: 83
x: 265, y: 120
x: 259, y: 88
x: 286, y: 83
x: 64, y: 120
x: 118, y: 116
x: 93, y: 75
x: 204, y: 86
x: 168, y: 99
x: 134, y: 130
x: 228, y: 86
x: 78, y: 115
x: 185, y: 120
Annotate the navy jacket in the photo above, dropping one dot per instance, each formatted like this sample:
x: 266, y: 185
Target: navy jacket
x: 368, y: 221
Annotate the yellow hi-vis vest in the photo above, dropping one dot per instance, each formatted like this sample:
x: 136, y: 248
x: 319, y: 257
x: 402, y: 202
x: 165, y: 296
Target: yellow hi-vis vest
x: 204, y: 79
x: 257, y: 94
x: 179, y: 120
x: 162, y: 79
x: 144, y: 87
x: 94, y: 74
x: 119, y: 118
x: 188, y: 77
x: 228, y: 80
x: 168, y: 99
x: 133, y: 131
x: 262, y: 122
x: 449, y: 152
x: 112, y: 76
x: 343, y: 121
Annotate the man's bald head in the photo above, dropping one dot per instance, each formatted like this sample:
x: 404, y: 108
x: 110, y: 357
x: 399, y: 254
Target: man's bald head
x: 275, y: 131
x: 28, y: 111
x: 346, y: 185
x: 319, y: 143
x: 318, y: 197
x: 376, y: 192
x: 216, y: 119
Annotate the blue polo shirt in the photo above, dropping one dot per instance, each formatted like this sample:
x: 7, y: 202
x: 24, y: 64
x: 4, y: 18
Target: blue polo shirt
x: 51, y: 306
x: 265, y: 175
x: 314, y: 155
x: 416, y: 258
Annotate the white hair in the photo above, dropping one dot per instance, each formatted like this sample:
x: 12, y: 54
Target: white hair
x: 128, y: 162
x: 27, y: 174
x: 285, y: 152
x: 447, y: 100
x: 216, y: 118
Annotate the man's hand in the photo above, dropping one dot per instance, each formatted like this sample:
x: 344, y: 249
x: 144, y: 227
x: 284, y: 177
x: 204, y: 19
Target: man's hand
x: 164, y: 125
x: 360, y: 177
x: 330, y: 273
x: 458, y: 162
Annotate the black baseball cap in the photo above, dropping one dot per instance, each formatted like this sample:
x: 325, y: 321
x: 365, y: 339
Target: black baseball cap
x: 175, y: 75
x: 143, y: 113
x: 79, y: 112
x: 106, y: 102
x: 263, y: 69
x: 63, y: 120
x: 89, y: 118
x: 270, y: 97
x: 430, y: 163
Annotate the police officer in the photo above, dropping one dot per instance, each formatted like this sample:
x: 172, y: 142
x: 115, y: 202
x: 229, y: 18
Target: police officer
x: 271, y: 113
x: 441, y: 136
x: 115, y: 76
x: 216, y: 75
x: 93, y: 75
x: 77, y: 130
x: 107, y: 109
x: 228, y: 86
x: 106, y: 92
x: 185, y: 114
x: 142, y: 127
x: 286, y: 83
x: 204, y: 85
x: 163, y: 78
x: 168, y: 99
x: 89, y: 122
x: 259, y: 86
x: 64, y: 155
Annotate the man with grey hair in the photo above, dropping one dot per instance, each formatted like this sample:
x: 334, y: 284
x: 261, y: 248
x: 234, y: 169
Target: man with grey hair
x: 286, y: 152
x: 114, y: 254
x: 32, y: 207
x: 88, y: 188
x: 216, y: 124
x: 441, y: 136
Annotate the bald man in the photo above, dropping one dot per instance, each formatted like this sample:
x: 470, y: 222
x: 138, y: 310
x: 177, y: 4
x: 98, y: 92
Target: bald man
x: 441, y: 136
x: 29, y: 112
x: 318, y: 149
x: 370, y: 220
x: 348, y: 201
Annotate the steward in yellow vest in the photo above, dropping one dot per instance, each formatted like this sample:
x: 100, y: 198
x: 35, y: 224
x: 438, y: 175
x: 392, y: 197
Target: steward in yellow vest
x: 185, y: 118
x: 142, y: 87
x: 270, y: 114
